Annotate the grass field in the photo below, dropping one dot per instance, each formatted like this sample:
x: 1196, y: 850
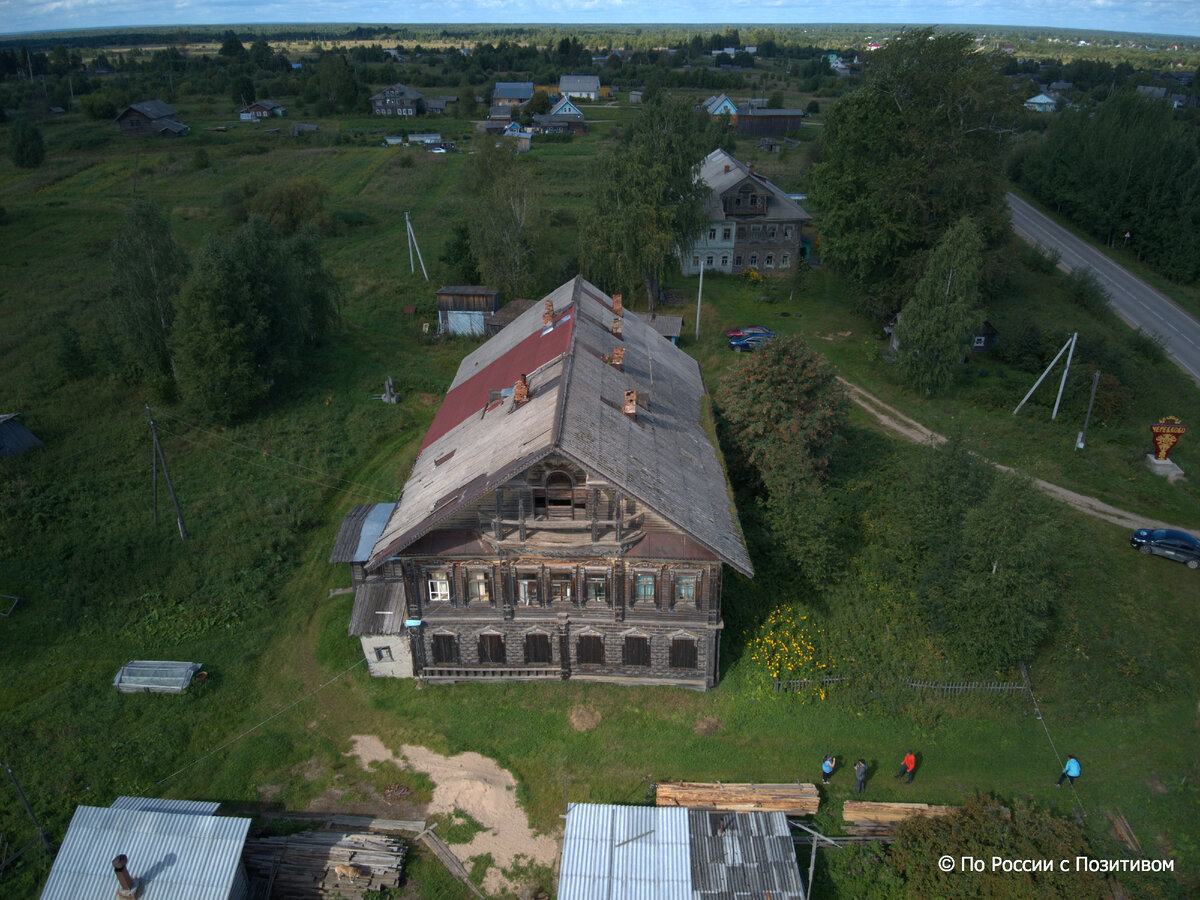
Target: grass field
x: 248, y: 594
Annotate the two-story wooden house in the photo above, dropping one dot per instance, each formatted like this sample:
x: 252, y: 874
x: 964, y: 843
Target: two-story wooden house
x: 752, y: 223
x: 397, y: 100
x: 150, y: 117
x: 567, y: 516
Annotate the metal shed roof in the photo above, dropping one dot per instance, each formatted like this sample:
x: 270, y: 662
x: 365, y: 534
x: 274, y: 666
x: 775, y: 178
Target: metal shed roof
x: 176, y: 856
x: 15, y: 438
x: 156, y: 676
x: 625, y: 853
x: 146, y: 804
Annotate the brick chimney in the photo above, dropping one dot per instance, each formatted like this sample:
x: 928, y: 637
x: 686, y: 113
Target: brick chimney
x: 751, y: 168
x: 548, y: 313
x: 726, y: 168
x: 618, y: 357
x: 618, y: 307
x: 521, y: 391
x: 630, y: 408
x: 126, y: 886
x: 616, y: 328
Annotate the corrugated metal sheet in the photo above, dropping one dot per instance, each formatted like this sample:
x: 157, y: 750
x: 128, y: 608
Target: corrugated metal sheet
x: 155, y: 676
x: 743, y: 854
x: 625, y: 853
x: 176, y: 856
x: 144, y: 804
x: 15, y: 438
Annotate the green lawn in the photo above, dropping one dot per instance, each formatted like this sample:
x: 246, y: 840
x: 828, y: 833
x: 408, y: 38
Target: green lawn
x: 248, y: 594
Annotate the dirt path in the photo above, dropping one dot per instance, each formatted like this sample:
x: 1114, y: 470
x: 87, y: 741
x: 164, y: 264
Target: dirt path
x: 477, y: 786
x: 894, y: 420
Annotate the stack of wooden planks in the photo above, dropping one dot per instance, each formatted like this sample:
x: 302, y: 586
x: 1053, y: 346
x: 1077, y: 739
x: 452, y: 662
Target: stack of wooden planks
x: 790, y: 799
x: 304, y: 865
x: 878, y: 819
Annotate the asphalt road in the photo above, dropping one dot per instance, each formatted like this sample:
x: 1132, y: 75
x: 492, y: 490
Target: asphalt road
x: 1135, y: 301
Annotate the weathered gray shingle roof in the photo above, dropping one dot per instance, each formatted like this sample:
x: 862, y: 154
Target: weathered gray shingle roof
x: 664, y: 459
x: 513, y: 90
x: 722, y: 172
x: 378, y: 608
x: 154, y: 109
x: 579, y: 84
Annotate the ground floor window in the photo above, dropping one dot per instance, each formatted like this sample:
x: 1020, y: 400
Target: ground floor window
x: 753, y: 259
x: 737, y: 259
x: 636, y: 651
x: 683, y: 653
x: 724, y: 260
x: 491, y: 648
x: 590, y: 650
x: 445, y: 650
x: 785, y: 261
x: 537, y: 648
x: 770, y: 261
x: 708, y: 261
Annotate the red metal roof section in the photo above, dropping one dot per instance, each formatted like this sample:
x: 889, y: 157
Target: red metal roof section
x: 473, y: 394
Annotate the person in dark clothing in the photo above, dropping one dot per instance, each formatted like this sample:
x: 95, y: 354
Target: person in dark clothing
x: 860, y: 776
x: 908, y: 767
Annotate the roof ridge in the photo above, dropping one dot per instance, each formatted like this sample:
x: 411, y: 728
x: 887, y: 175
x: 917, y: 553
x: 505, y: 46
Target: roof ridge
x: 564, y: 387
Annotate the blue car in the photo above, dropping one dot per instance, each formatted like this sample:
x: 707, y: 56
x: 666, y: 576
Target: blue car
x: 748, y: 342
x: 1177, y: 545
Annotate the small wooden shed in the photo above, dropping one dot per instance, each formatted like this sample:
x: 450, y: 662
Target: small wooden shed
x: 464, y: 309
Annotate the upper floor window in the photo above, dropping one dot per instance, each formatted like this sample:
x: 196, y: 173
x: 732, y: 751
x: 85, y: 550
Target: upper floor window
x: 527, y: 589
x: 560, y: 588
x: 726, y: 233
x: 478, y: 589
x: 597, y: 590
x: 685, y: 590
x: 771, y: 232
x: 439, y: 587
x: 755, y: 232
x: 712, y: 234
x: 643, y: 590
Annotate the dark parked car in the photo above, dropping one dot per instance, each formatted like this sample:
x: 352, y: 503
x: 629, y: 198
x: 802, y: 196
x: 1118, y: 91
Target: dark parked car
x: 748, y: 342
x: 1176, y: 545
x: 750, y: 330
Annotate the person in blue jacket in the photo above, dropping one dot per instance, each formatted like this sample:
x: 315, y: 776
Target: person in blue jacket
x: 1070, y: 771
x: 827, y: 765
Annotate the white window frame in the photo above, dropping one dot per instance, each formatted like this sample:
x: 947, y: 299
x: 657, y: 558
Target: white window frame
x: 438, y: 584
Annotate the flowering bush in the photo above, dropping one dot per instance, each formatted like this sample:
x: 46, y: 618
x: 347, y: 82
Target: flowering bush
x: 787, y: 647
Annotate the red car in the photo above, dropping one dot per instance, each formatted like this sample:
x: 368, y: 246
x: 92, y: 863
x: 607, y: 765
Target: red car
x: 750, y: 331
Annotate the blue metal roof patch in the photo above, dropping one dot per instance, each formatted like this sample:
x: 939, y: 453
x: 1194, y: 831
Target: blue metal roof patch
x: 372, y: 528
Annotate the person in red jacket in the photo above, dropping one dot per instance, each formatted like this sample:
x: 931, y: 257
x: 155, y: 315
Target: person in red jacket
x: 908, y: 767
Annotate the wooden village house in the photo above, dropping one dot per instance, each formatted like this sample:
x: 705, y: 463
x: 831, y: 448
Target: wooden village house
x: 566, y: 517
x: 752, y: 223
x: 150, y: 117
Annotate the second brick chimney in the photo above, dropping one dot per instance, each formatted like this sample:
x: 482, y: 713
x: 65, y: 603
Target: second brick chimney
x: 616, y: 327
x: 618, y: 357
x: 548, y: 313
x: 521, y: 391
x: 630, y: 407
x: 618, y: 307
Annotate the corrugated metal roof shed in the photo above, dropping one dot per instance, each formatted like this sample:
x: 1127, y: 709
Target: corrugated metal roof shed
x: 15, y: 438
x: 155, y: 676
x: 625, y: 853
x: 176, y: 856
x: 146, y: 804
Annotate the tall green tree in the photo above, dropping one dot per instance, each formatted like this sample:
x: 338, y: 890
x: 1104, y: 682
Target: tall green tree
x: 938, y: 323
x: 147, y: 270
x: 252, y: 307
x: 507, y: 223
x: 25, y: 145
x: 647, y: 203
x: 911, y: 151
x: 783, y: 411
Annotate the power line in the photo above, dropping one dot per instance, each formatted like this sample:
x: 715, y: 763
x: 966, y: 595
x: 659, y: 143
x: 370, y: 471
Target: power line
x: 269, y: 718
x: 258, y: 451
x: 329, y: 484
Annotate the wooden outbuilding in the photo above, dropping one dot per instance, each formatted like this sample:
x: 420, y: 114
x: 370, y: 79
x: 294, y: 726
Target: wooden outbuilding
x: 465, y: 309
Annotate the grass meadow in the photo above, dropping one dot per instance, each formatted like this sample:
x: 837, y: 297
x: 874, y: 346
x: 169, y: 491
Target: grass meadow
x: 248, y: 594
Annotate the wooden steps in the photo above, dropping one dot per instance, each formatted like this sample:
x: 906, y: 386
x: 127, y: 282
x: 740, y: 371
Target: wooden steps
x: 790, y: 799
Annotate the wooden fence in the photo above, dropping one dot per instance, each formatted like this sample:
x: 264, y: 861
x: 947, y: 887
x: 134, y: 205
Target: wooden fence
x: 796, y: 685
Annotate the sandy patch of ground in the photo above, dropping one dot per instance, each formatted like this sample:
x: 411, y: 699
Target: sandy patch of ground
x: 583, y: 719
x: 477, y: 786
x: 707, y: 727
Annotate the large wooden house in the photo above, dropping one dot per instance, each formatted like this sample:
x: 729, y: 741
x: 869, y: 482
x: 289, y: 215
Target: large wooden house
x: 567, y: 516
x: 150, y: 117
x: 752, y: 223
x: 397, y: 100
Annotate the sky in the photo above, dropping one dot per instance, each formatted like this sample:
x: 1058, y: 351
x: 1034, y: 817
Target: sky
x: 1162, y: 17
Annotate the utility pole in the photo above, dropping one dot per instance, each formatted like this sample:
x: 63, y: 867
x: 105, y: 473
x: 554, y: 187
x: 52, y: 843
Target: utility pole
x: 25, y: 803
x: 158, y: 451
x: 1088, y: 417
x: 1066, y: 370
x: 412, y: 242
